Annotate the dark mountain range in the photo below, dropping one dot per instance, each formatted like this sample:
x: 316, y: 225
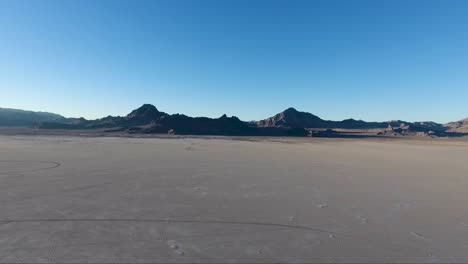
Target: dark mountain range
x: 292, y: 118
x: 16, y: 117
x: 148, y: 119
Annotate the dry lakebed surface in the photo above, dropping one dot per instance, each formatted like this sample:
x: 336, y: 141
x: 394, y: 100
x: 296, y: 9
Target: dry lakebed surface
x: 195, y: 199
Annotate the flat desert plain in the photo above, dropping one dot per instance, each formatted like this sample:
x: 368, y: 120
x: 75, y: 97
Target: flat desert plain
x: 101, y: 199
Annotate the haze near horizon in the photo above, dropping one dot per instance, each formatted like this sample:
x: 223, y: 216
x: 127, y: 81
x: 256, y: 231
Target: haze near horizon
x: 369, y: 60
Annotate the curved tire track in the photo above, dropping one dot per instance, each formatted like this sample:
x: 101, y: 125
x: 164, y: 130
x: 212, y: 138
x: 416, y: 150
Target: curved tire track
x: 52, y: 165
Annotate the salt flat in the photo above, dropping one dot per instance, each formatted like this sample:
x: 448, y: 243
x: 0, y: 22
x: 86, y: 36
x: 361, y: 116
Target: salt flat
x: 98, y: 199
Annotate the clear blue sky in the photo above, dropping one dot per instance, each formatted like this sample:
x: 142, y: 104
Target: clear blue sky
x: 371, y: 60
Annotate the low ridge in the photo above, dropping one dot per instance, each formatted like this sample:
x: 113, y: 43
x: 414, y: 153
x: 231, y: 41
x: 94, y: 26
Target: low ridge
x: 17, y: 117
x: 458, y: 126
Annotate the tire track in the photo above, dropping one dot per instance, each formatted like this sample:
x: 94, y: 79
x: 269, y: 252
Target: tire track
x: 220, y: 222
x: 60, y: 191
x: 9, y: 176
x: 52, y: 165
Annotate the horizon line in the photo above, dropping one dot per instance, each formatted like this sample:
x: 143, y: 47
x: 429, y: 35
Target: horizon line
x: 213, y: 117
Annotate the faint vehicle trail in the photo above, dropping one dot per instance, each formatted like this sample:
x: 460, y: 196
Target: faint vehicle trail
x: 229, y: 233
x: 51, y: 165
x: 85, y: 187
x: 61, y: 191
x: 164, y: 236
x: 290, y: 226
x: 9, y: 176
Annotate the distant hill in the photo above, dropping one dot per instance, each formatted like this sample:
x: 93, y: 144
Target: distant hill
x: 16, y: 117
x: 296, y: 119
x: 292, y: 118
x: 144, y: 115
x: 460, y: 126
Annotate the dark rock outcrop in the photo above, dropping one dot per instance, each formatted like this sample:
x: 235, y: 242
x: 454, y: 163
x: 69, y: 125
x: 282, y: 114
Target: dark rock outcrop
x: 147, y: 113
x: 412, y: 129
x: 293, y: 119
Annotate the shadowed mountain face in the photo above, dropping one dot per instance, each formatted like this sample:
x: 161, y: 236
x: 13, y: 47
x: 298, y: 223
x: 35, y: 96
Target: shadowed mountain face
x: 145, y: 115
x: 147, y: 119
x: 16, y: 117
x: 291, y: 118
x: 294, y: 119
x: 182, y: 124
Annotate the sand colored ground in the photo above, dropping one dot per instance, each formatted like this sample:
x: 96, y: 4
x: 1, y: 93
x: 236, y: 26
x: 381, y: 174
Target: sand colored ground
x: 72, y: 199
